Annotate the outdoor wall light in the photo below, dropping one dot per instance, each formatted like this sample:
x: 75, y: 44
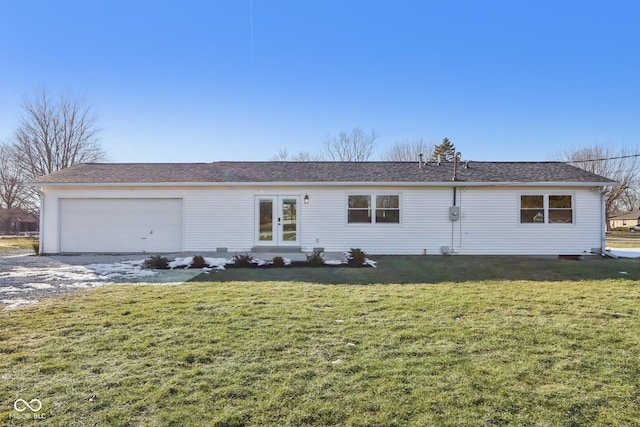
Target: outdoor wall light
x: 306, y: 199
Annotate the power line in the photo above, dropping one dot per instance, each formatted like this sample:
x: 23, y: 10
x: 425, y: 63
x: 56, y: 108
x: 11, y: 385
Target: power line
x: 605, y: 158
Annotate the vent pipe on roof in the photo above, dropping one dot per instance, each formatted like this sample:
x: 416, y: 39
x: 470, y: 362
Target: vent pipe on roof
x: 456, y: 158
x: 420, y: 161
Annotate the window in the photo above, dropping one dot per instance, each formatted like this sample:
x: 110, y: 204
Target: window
x: 546, y: 209
x: 560, y: 209
x: 359, y: 209
x: 531, y: 209
x: 387, y: 209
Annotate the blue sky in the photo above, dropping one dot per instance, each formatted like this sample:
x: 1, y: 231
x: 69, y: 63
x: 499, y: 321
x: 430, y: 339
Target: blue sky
x: 184, y: 81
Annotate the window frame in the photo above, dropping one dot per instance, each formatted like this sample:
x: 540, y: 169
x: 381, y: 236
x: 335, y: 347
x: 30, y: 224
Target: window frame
x: 547, y: 209
x: 373, y: 208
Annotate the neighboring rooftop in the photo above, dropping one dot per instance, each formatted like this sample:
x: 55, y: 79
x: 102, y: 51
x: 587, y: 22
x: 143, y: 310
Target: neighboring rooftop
x: 321, y: 172
x: 634, y: 214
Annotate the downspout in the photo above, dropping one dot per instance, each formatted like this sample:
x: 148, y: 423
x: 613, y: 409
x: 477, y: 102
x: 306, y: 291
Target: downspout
x: 41, y: 231
x: 603, y: 222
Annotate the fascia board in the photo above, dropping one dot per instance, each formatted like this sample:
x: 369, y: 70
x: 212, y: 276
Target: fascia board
x: 323, y: 184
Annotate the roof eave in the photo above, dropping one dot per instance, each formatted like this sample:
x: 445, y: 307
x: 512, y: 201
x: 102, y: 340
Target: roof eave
x: 327, y: 184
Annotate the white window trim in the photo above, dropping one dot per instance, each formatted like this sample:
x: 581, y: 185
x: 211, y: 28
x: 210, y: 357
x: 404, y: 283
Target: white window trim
x: 373, y: 196
x: 545, y: 206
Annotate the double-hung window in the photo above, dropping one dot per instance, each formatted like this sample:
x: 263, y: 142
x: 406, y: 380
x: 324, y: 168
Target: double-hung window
x: 546, y: 209
x: 373, y: 209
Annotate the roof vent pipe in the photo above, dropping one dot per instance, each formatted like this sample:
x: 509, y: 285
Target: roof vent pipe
x: 420, y: 160
x: 455, y: 166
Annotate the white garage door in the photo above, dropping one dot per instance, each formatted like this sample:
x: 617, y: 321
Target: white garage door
x: 121, y: 225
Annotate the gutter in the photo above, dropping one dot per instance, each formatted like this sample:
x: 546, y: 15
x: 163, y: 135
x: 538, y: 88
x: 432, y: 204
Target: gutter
x: 319, y: 184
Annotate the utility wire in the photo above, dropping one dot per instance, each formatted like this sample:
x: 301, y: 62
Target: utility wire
x: 605, y: 158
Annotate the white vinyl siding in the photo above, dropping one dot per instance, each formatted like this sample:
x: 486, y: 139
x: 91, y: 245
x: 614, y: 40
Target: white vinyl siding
x: 489, y: 221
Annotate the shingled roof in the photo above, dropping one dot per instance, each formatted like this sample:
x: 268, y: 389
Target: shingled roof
x: 322, y: 172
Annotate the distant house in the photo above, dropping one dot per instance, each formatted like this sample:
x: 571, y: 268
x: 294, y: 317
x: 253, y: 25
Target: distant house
x: 380, y: 207
x: 630, y: 220
x: 16, y: 221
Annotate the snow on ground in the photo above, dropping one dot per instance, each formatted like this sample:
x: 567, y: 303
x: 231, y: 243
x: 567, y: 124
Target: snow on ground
x: 216, y: 263
x: 23, y: 276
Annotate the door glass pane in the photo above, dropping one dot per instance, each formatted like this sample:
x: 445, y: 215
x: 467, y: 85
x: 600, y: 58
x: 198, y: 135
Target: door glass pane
x: 266, y: 220
x: 289, y: 219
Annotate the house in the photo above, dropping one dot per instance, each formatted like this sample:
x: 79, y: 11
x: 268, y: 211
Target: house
x: 17, y: 221
x: 380, y: 207
x: 628, y: 221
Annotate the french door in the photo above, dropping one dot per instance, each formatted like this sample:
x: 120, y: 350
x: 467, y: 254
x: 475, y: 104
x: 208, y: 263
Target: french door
x: 277, y: 221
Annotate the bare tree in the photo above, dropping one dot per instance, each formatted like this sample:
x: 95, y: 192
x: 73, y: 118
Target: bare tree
x: 54, y: 134
x: 621, y: 165
x: 13, y: 194
x: 303, y: 156
x: 408, y: 150
x: 353, y: 146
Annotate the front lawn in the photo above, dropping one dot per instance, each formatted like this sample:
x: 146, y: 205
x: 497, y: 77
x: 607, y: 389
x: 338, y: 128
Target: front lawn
x: 438, y: 269
x: 547, y: 353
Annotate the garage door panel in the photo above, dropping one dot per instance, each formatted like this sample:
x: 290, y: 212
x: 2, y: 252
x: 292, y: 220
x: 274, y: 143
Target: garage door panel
x: 121, y: 225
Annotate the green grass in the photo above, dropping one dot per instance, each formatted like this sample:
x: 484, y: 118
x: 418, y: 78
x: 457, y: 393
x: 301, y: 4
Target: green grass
x: 541, y: 353
x: 438, y: 269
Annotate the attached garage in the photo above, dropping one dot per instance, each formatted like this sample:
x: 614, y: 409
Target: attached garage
x: 121, y: 225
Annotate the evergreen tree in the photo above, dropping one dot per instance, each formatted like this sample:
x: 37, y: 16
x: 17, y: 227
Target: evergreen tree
x: 445, y: 151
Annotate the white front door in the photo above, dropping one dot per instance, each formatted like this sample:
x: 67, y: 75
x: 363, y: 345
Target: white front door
x: 277, y: 221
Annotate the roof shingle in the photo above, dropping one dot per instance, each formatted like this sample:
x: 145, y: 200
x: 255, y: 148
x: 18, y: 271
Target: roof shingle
x: 321, y: 172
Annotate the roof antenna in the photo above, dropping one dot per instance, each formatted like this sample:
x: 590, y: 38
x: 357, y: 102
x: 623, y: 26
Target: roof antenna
x: 420, y: 161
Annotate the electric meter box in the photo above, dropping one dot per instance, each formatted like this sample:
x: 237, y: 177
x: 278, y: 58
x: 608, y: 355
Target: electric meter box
x: 454, y: 213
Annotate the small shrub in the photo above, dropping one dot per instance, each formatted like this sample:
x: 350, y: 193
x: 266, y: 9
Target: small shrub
x: 278, y: 261
x: 315, y: 259
x: 157, y: 262
x: 242, y: 259
x: 357, y: 257
x: 198, y: 262
x: 36, y: 246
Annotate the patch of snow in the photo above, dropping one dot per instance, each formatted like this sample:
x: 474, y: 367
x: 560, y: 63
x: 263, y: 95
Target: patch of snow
x: 217, y: 263
x: 336, y: 362
x: 370, y: 262
x: 39, y: 285
x: 334, y: 262
x: 339, y: 321
x: 124, y: 269
x: 9, y: 289
x: 623, y: 272
x: 181, y: 262
x: 15, y: 303
x: 350, y: 344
